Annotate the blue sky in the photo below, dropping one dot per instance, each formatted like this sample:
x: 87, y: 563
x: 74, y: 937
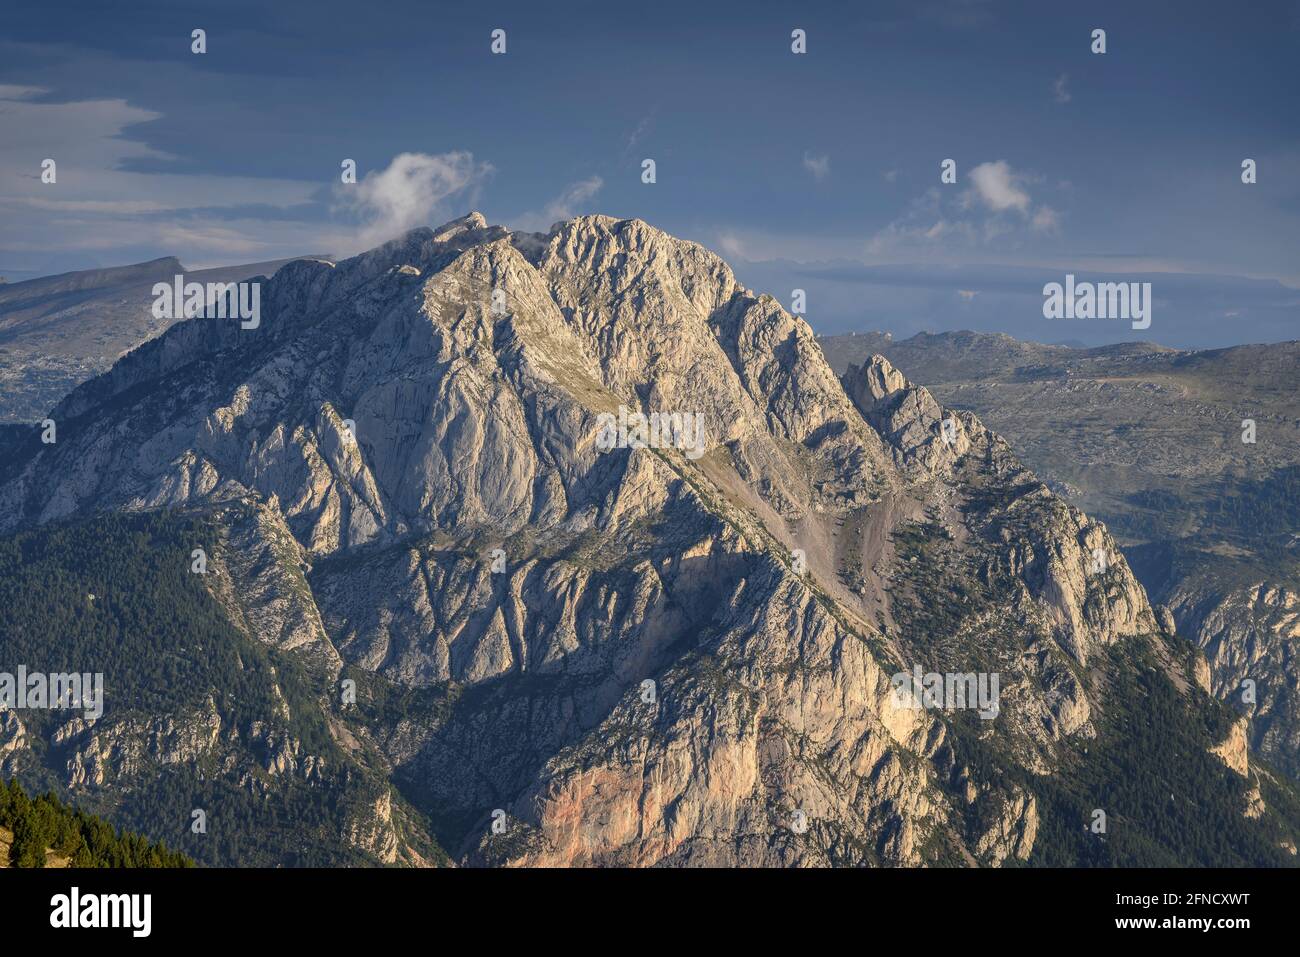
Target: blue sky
x: 819, y: 170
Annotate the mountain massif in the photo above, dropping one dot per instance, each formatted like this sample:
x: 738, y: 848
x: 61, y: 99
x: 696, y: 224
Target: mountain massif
x: 407, y: 574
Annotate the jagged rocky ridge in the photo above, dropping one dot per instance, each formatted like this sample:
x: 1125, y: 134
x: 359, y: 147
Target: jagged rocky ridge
x: 414, y: 497
x: 1150, y: 440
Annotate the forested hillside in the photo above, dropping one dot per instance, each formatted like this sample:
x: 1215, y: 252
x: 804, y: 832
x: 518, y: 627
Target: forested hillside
x: 42, y: 831
x: 199, y: 713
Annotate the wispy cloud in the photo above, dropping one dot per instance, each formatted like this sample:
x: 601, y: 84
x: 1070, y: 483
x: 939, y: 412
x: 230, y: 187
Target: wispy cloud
x: 818, y: 166
x: 413, y: 190
x: 996, y: 206
x: 638, y: 134
x: 12, y: 91
x: 1059, y: 89
x: 568, y: 204
x: 732, y: 246
x: 1046, y: 220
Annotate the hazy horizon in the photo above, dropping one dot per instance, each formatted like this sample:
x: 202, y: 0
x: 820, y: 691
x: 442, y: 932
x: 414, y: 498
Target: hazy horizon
x: 932, y: 311
x: 818, y: 170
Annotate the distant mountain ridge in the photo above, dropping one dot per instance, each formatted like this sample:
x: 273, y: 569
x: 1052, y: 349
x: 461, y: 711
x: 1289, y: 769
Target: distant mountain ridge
x: 58, y: 331
x: 1150, y: 439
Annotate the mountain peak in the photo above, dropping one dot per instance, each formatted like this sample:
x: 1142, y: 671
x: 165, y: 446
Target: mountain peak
x: 470, y: 222
x: 602, y: 462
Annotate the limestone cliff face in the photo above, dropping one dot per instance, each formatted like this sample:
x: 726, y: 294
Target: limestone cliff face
x: 1232, y: 750
x: 13, y: 735
x: 1249, y: 635
x: 646, y: 654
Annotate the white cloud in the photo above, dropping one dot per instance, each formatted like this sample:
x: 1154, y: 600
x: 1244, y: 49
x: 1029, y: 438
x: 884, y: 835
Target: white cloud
x: 411, y: 191
x: 83, y: 134
x: 565, y: 206
x: 998, y: 188
x: 996, y: 207
x: 1058, y: 88
x: 638, y: 134
x: 1046, y: 220
x: 818, y: 166
x: 732, y: 246
x: 924, y: 223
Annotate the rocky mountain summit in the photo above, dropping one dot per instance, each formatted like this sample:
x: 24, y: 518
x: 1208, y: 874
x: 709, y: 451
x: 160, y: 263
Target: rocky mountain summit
x: 523, y: 617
